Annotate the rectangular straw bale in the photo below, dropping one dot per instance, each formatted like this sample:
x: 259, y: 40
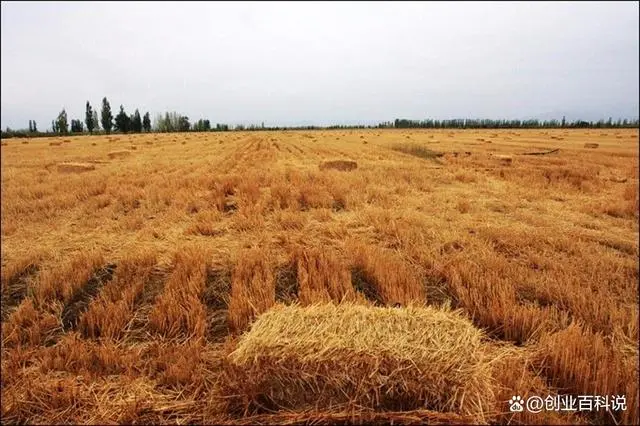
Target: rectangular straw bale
x: 72, y: 167
x: 351, y: 356
x: 342, y: 165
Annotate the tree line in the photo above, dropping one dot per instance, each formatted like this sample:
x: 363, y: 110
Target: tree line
x: 122, y: 122
x: 401, y: 123
x: 125, y: 123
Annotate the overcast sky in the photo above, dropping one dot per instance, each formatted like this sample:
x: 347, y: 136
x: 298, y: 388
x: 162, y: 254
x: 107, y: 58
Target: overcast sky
x: 316, y: 62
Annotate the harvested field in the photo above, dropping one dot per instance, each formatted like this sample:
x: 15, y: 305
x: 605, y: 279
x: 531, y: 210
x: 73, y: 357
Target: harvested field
x: 230, y: 279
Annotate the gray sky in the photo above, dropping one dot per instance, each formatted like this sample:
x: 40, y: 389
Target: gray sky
x: 314, y: 62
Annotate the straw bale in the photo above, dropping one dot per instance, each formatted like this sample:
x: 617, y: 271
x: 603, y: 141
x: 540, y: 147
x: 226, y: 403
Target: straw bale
x: 414, y: 417
x: 591, y: 145
x: 351, y: 356
x: 343, y: 165
x: 75, y: 167
x: 119, y: 154
x: 506, y: 159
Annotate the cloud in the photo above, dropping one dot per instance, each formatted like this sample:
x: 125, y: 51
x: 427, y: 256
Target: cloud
x: 284, y: 63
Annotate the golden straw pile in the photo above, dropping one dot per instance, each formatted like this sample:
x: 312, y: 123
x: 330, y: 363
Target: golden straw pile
x: 353, y: 357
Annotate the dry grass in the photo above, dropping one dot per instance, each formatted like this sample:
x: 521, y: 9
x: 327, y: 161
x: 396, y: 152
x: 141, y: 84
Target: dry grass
x: 252, y: 289
x: 385, y: 278
x: 16, y: 281
x: 178, y: 311
x: 322, y: 277
x: 573, y: 358
x: 124, y: 288
x: 109, y: 313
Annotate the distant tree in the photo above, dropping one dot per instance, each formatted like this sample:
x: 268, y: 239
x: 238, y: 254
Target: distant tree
x: 30, y: 127
x: 35, y: 127
x: 202, y: 126
x: 107, y: 117
x: 176, y: 121
x: 184, y: 124
x: 146, y: 122
x: 77, y: 126
x: 159, y: 123
x: 96, y: 122
x: 168, y: 122
x: 172, y: 122
x: 88, y: 117
x: 54, y: 126
x: 63, y: 124
x: 136, y: 122
x: 122, y: 121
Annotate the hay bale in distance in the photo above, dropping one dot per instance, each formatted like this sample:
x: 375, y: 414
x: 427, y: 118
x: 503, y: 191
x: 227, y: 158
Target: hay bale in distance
x: 119, y: 154
x: 618, y: 179
x: 342, y: 165
x: 505, y: 159
x: 418, y: 150
x: 55, y: 143
x: 357, y: 357
x: 75, y: 167
x: 591, y: 145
